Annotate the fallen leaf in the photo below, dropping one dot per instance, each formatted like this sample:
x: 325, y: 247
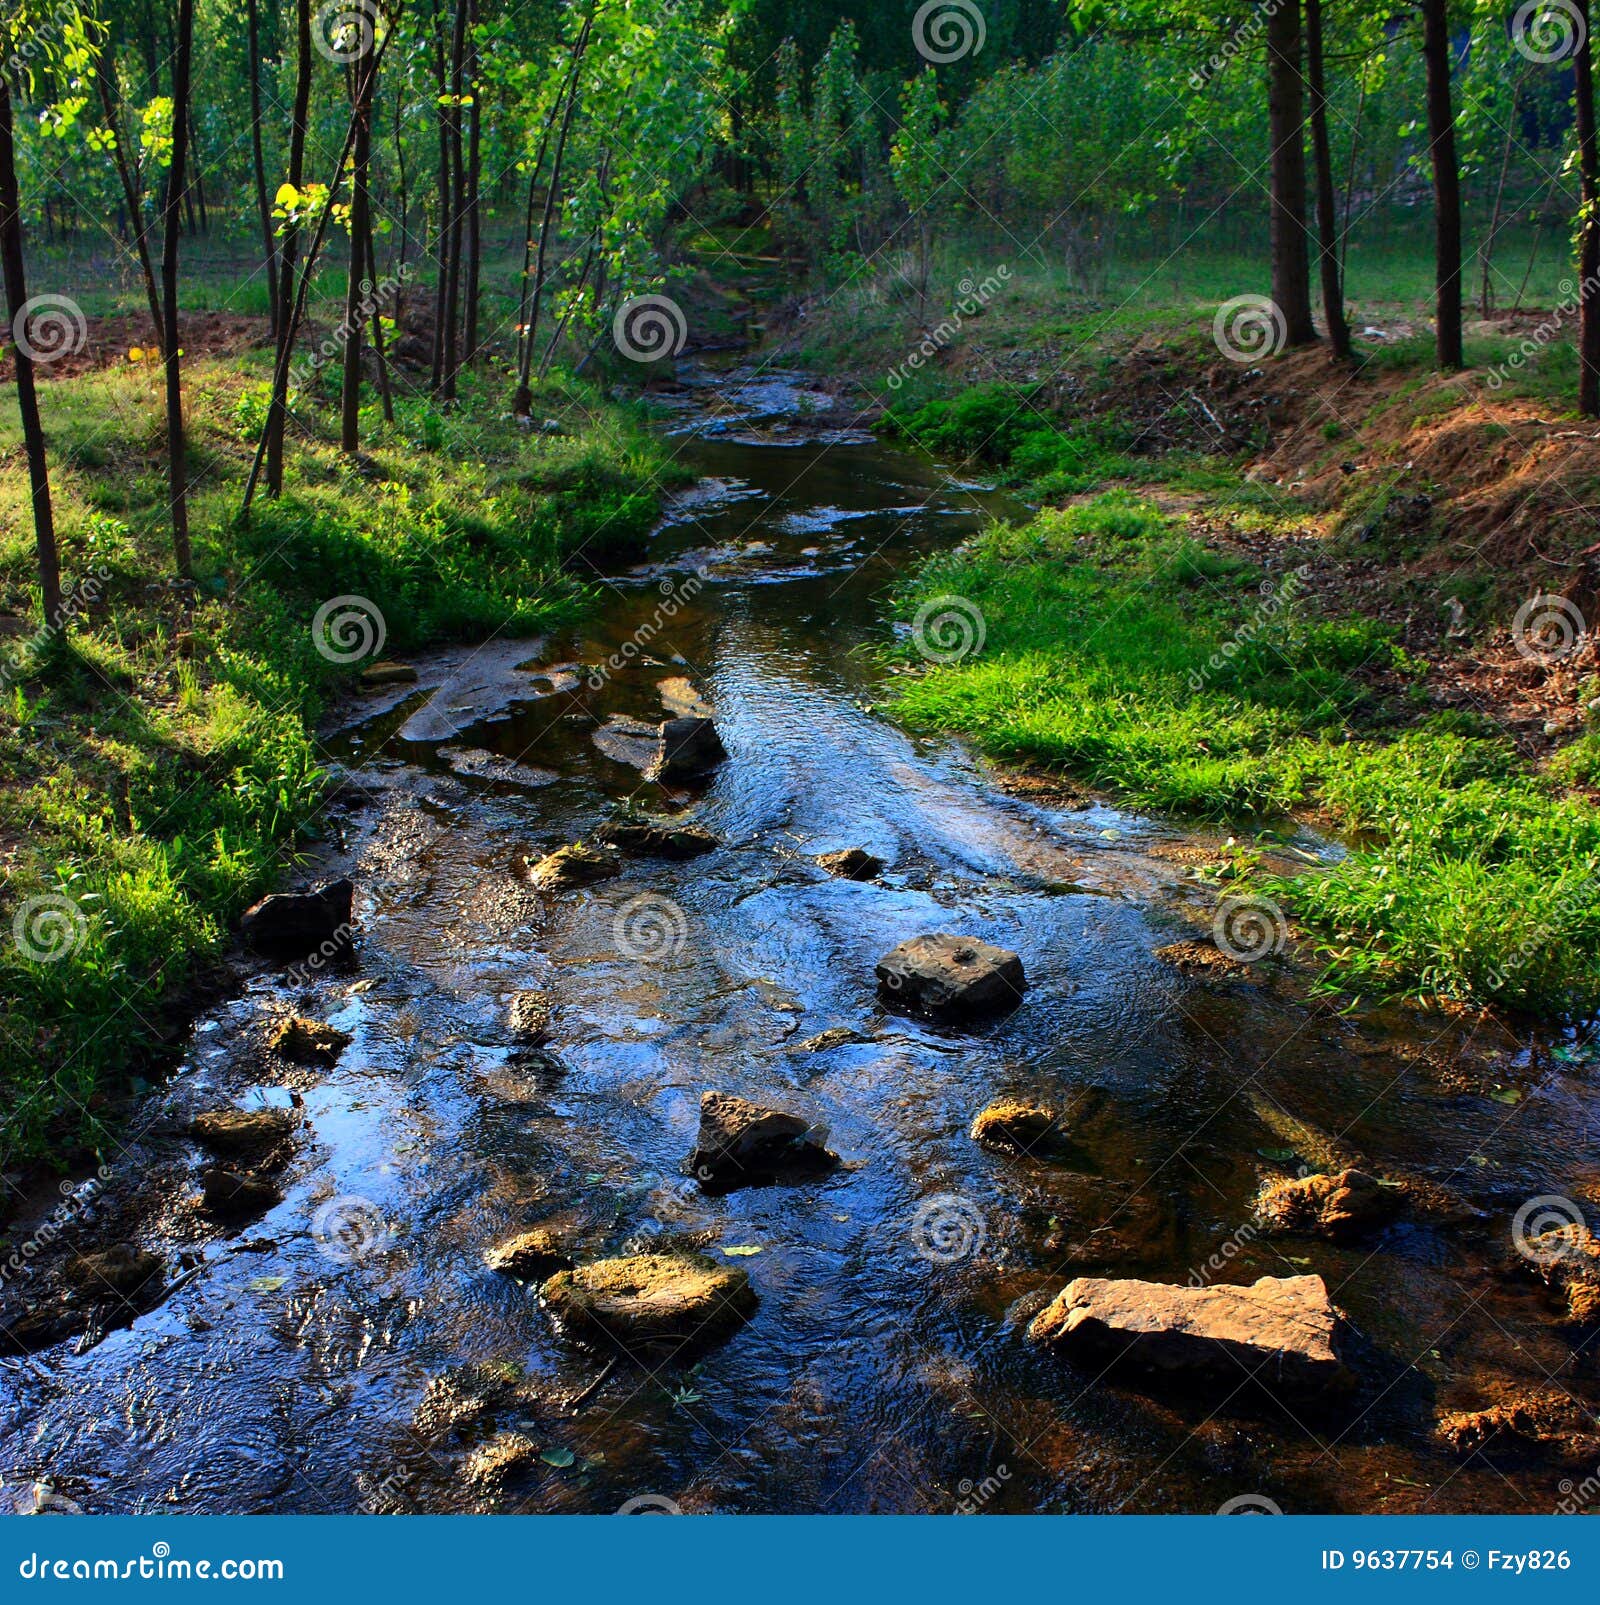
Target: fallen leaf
x: 739, y: 1250
x: 559, y: 1458
x: 266, y: 1284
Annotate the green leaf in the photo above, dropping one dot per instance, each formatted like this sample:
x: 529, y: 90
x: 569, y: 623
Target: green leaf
x: 740, y: 1250
x: 267, y: 1284
x: 559, y: 1458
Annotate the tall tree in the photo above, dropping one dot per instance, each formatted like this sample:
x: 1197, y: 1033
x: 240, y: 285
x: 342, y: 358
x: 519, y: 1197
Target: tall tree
x: 172, y: 353
x: 299, y: 117
x: 259, y: 162
x: 1589, y: 223
x: 1446, y: 183
x: 474, y: 219
x: 364, y: 72
x: 1327, y: 208
x: 11, y: 262
x: 1286, y: 127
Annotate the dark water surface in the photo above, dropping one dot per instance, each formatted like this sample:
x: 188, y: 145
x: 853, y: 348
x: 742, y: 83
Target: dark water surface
x: 349, y: 1351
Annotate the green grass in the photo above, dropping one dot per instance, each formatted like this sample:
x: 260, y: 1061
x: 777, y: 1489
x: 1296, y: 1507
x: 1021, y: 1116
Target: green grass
x: 1151, y: 666
x: 158, y: 767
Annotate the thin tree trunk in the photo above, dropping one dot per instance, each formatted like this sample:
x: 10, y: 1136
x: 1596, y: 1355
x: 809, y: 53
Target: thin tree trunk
x: 11, y: 262
x: 106, y: 80
x: 452, y: 294
x: 360, y: 264
x: 278, y: 406
x: 474, y: 176
x: 378, y: 353
x: 1327, y: 209
x: 263, y: 204
x: 1446, y: 183
x: 522, y: 402
x: 1589, y: 243
x: 1291, y: 255
x: 177, y: 190
x: 446, y: 206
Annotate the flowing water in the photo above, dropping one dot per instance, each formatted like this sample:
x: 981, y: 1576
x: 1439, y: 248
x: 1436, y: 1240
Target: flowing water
x: 348, y: 1350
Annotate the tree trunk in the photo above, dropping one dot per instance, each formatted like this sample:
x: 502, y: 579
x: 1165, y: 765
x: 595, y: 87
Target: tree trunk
x: 446, y: 205
x: 263, y: 203
x: 44, y: 528
x: 177, y: 192
x: 474, y: 176
x: 361, y: 266
x: 453, y: 233
x: 384, y: 391
x: 278, y: 406
x: 1589, y: 240
x: 1291, y: 253
x: 1446, y: 182
x: 106, y: 80
x: 1327, y: 209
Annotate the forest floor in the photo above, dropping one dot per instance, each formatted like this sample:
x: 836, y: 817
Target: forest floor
x: 1358, y: 594
x: 158, y: 765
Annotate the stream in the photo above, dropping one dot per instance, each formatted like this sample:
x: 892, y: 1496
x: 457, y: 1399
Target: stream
x: 348, y: 1350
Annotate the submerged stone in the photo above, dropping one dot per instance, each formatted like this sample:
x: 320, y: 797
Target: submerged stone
x: 674, y: 1300
x: 740, y: 1142
x: 949, y: 975
x: 577, y: 864
x: 291, y: 925
x: 1347, y: 1205
x: 1280, y: 1332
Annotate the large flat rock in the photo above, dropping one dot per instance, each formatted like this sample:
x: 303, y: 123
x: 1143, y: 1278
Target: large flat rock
x: 1281, y: 1332
x: 950, y: 975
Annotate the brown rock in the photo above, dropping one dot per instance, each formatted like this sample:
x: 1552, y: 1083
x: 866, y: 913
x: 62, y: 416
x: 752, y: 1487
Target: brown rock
x: 303, y: 1041
x: 648, y: 838
x: 836, y: 1036
x: 530, y: 1256
x: 238, y: 1131
x: 1568, y: 1258
x: 1015, y: 1127
x: 689, y: 749
x: 528, y: 1017
x: 238, y: 1194
x: 1201, y: 958
x: 853, y: 864
x: 123, y: 1269
x: 502, y: 1459
x: 386, y: 673
x: 577, y: 864
x: 1282, y: 1332
x: 742, y: 1142
x: 291, y: 925
x: 948, y: 975
x: 1550, y: 1425
x: 672, y: 1300
x: 1340, y: 1207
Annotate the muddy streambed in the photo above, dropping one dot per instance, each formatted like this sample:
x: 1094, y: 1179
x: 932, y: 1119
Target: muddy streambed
x: 348, y: 1350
